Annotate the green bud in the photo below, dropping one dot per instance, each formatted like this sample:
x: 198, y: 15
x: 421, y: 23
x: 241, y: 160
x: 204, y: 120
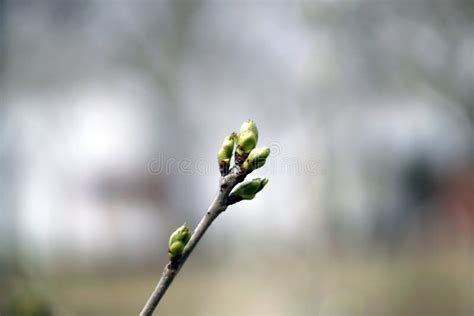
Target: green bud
x: 225, y: 153
x: 176, y: 249
x: 248, y: 137
x: 178, y: 239
x: 249, y: 126
x: 247, y: 190
x: 247, y: 141
x: 256, y: 158
x: 227, y: 148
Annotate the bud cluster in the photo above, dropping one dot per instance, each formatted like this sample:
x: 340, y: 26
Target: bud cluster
x: 246, y: 156
x: 242, y: 149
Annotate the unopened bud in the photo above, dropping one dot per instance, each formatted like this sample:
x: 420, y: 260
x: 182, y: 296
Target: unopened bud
x: 249, y: 126
x: 248, y: 137
x: 178, y: 239
x: 256, y: 158
x: 247, y: 190
x: 225, y: 153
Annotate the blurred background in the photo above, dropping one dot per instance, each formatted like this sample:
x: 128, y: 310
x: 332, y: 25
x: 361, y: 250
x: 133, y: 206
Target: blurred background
x: 112, y: 113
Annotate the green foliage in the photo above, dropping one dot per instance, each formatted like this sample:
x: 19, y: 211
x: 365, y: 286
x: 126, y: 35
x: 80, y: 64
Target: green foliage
x: 23, y: 301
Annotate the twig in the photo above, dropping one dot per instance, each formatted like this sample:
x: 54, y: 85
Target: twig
x: 246, y: 159
x: 218, y: 205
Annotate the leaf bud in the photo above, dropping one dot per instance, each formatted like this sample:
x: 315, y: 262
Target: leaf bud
x: 248, y: 137
x: 178, y: 239
x: 249, y: 126
x: 256, y: 158
x: 247, y: 190
x: 225, y: 153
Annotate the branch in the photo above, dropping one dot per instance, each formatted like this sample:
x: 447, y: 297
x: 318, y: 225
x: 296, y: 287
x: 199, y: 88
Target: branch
x: 246, y: 159
x: 218, y: 205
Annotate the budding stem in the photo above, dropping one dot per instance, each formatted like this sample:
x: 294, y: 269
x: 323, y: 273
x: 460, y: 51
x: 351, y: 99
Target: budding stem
x: 218, y: 205
x: 245, y: 149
